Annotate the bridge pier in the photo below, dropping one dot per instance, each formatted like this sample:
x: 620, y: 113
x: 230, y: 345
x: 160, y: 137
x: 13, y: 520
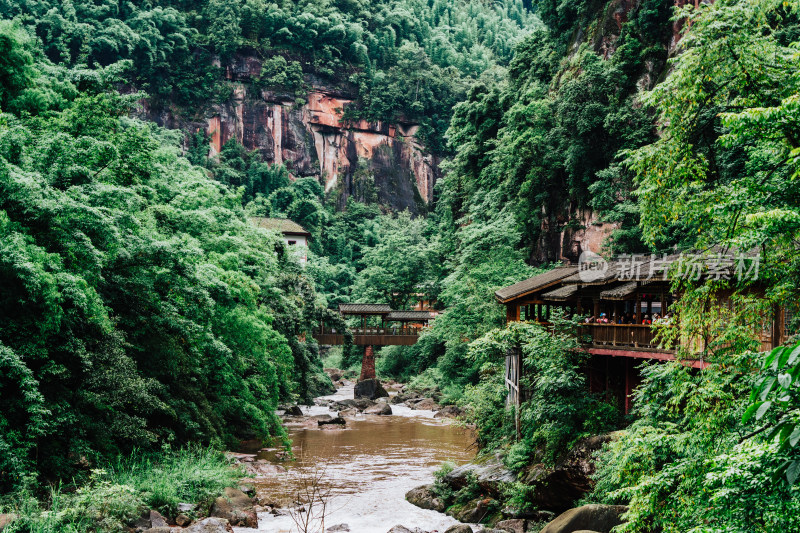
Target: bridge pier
x: 368, y: 364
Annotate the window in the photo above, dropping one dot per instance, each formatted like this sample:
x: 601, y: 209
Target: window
x: 292, y: 243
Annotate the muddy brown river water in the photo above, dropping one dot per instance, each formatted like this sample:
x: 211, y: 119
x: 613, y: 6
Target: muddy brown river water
x: 366, y: 469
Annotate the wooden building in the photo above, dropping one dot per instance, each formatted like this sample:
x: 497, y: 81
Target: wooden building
x: 628, y: 299
x: 294, y: 235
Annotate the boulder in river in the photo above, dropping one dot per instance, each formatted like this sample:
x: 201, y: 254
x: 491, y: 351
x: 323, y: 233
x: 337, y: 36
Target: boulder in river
x: 592, y: 517
x: 370, y: 389
x: 448, y: 411
x: 236, y: 507
x: 424, y: 497
x: 403, y: 529
x: 459, y: 528
x: 425, y: 404
x: 337, y: 421
x: 182, y: 520
x: 210, y: 525
x: 378, y: 409
x: 398, y: 398
x: 489, y: 471
x: 338, y: 527
x: 291, y: 410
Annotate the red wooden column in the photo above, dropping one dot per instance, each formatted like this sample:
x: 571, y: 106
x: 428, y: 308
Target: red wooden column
x: 368, y: 364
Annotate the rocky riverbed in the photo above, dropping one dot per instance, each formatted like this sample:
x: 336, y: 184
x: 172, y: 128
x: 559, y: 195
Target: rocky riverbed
x: 362, y: 456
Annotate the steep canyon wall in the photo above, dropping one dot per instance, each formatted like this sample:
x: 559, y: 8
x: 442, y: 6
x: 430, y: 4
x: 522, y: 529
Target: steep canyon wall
x: 350, y: 158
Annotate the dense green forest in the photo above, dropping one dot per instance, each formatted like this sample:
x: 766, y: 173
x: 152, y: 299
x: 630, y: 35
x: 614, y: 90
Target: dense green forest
x: 140, y: 310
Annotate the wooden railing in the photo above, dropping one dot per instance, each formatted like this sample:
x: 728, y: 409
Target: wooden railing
x: 375, y: 336
x: 632, y: 336
x: 373, y: 331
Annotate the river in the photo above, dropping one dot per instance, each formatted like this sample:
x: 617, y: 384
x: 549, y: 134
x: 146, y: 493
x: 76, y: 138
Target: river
x: 366, y: 468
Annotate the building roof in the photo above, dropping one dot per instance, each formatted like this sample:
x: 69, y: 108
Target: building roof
x: 365, y: 309
x: 620, y: 292
x: 535, y: 283
x: 567, y: 292
x: 282, y: 225
x: 409, y: 316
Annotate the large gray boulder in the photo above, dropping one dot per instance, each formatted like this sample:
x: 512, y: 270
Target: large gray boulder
x: 236, y: 507
x: 489, y: 471
x: 592, y: 517
x: 210, y: 525
x: 378, y: 409
x: 370, y: 389
x: 424, y: 497
x: 459, y: 528
x: 448, y: 411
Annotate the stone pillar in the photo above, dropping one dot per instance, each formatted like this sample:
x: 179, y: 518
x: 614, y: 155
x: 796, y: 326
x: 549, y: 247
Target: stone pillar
x: 368, y: 364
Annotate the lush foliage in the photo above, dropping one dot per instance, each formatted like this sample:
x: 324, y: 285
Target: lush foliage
x: 405, y: 58
x: 116, y: 495
x: 139, y: 306
x: 557, y: 411
x: 689, y: 462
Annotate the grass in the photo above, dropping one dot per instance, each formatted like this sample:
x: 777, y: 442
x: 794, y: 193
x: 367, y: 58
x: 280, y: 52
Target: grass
x: 116, y: 495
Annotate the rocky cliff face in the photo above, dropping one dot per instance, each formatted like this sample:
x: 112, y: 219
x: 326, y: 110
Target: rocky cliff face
x: 384, y: 162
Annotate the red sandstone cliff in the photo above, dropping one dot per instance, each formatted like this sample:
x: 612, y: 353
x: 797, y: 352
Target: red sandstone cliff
x: 312, y: 140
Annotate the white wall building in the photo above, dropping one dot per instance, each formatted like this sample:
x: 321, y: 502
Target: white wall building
x: 294, y: 235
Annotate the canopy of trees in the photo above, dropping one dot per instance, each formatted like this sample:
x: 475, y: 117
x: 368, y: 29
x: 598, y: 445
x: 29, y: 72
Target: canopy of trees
x: 138, y: 305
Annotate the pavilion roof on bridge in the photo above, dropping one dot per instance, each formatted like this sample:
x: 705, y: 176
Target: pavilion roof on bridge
x: 409, y: 316
x: 365, y: 309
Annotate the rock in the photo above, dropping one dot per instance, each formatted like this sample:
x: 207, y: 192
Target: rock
x: 473, y: 511
x: 448, y: 411
x: 378, y: 409
x: 210, y: 525
x: 292, y: 410
x: 338, y: 527
x: 363, y: 403
x: 593, y: 517
x: 585, y: 531
x: 183, y: 520
x: 5, y: 519
x: 516, y: 525
x: 398, y: 398
x: 320, y: 418
x: 156, y: 520
x: 334, y: 373
x: 424, y: 497
x: 236, y: 507
x: 489, y: 471
x: 186, y: 507
x: 558, y: 487
x: 159, y: 529
x: 382, y: 400
x: 403, y: 529
x: 333, y: 421
x: 425, y: 404
x: 459, y: 528
x: 248, y: 489
x: 370, y: 389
